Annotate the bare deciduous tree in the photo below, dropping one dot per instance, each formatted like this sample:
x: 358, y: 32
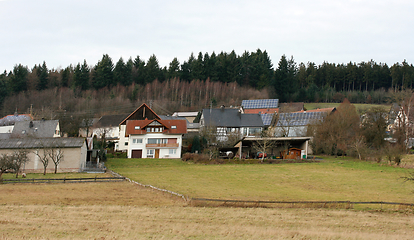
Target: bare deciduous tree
x: 210, y: 142
x: 6, y: 164
x: 265, y: 143
x: 19, y: 158
x: 55, y: 153
x: 338, y: 132
x: 43, y: 156
x: 13, y: 162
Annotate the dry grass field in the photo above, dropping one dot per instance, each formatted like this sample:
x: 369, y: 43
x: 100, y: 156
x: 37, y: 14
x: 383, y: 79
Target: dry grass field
x: 123, y: 210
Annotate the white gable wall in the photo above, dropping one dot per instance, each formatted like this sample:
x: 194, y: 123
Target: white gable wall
x: 139, y: 142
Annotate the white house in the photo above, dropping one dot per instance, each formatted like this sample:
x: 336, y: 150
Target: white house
x: 155, y: 138
x: 228, y: 121
x: 141, y: 113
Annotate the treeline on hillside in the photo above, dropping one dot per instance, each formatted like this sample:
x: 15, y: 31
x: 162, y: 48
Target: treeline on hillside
x: 290, y: 81
x: 166, y: 97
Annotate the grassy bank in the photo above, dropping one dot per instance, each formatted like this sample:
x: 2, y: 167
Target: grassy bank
x: 328, y: 180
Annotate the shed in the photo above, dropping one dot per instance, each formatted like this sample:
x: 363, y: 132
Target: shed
x: 74, y: 152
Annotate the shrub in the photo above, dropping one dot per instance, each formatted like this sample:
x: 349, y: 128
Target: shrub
x: 117, y: 155
x: 394, y: 154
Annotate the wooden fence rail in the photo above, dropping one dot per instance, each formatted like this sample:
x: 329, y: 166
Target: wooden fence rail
x: 345, y: 204
x: 64, y: 180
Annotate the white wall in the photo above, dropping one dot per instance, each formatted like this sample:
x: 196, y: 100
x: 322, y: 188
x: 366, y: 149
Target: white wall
x: 122, y: 139
x: 164, y: 152
x: 6, y: 129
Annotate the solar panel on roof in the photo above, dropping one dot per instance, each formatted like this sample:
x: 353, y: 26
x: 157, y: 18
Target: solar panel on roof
x: 267, y: 118
x: 260, y: 103
x: 300, y: 119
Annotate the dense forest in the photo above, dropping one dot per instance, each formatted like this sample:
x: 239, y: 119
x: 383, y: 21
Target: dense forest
x: 201, y: 81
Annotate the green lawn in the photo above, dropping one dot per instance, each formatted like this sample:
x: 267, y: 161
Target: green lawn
x: 328, y: 180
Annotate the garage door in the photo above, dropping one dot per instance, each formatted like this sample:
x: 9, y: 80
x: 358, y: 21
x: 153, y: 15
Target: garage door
x: 137, y: 153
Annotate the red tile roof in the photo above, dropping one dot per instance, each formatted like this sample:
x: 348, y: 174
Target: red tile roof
x: 261, y: 110
x: 180, y: 126
x: 320, y: 110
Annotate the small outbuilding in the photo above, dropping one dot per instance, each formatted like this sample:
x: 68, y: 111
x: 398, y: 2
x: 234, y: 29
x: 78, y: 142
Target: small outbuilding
x: 74, y: 152
x: 279, y: 147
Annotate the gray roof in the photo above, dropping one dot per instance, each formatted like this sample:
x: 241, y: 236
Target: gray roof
x: 4, y: 136
x: 169, y: 117
x: 189, y: 124
x: 12, y: 119
x: 110, y: 120
x: 230, y: 118
x: 88, y: 122
x: 38, y: 129
x: 300, y: 118
x: 23, y: 143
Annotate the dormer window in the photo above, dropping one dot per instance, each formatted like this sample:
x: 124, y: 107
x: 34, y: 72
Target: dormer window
x: 137, y: 127
x: 173, y: 127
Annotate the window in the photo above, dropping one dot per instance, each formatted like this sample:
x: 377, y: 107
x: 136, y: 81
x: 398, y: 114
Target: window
x: 137, y: 127
x: 150, y: 153
x: 172, y: 151
x: 137, y: 140
x: 126, y: 143
x: 254, y: 131
x: 157, y: 140
x: 173, y: 127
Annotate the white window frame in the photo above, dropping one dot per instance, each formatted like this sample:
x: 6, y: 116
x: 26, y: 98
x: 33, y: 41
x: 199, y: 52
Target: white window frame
x: 150, y: 153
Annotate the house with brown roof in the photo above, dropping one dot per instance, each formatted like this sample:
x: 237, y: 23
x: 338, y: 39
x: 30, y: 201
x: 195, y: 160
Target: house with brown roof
x: 155, y: 138
x: 143, y: 112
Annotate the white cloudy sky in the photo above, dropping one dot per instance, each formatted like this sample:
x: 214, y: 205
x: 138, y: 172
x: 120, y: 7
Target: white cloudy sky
x: 64, y: 32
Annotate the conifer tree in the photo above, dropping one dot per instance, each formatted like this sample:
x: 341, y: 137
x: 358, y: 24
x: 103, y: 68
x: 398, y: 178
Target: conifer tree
x: 103, y: 75
x: 18, y: 79
x: 43, y: 76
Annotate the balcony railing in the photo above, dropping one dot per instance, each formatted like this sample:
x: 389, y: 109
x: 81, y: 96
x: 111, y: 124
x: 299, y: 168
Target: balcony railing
x: 162, y: 145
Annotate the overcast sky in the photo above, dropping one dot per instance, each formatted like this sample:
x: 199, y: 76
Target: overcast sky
x: 64, y: 32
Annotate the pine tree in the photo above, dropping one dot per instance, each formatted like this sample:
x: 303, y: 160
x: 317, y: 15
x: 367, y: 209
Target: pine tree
x: 103, y: 75
x: 43, y: 76
x: 152, y: 70
x: 138, y: 74
x: 285, y: 79
x: 81, y: 76
x: 3, y: 88
x: 64, y: 77
x: 173, y: 69
x: 18, y: 79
